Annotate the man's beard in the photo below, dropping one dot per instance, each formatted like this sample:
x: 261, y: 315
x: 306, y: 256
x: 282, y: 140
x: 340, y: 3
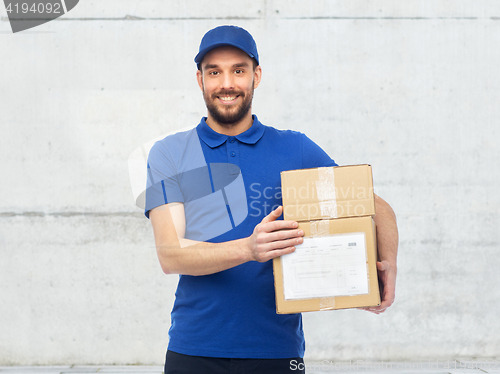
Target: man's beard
x: 228, y: 116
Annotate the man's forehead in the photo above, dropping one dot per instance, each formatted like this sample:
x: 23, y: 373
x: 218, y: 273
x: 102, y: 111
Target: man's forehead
x: 225, y: 53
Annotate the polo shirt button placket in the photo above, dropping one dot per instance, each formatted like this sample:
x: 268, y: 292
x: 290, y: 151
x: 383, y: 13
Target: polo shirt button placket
x: 232, y: 151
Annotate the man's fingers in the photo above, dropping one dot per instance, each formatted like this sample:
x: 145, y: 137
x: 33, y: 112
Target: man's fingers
x: 269, y: 227
x: 286, y: 234
x: 381, y: 308
x: 387, y: 283
x: 273, y: 238
x: 276, y: 253
x: 278, y: 234
x: 280, y: 244
x: 375, y: 309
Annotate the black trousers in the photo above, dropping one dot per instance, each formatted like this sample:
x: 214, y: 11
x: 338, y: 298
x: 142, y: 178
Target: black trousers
x: 177, y: 363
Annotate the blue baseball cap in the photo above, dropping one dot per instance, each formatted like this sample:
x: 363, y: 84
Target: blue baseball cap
x: 227, y: 35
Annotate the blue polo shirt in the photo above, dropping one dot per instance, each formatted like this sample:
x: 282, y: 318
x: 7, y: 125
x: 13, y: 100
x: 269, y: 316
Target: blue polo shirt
x: 228, y: 184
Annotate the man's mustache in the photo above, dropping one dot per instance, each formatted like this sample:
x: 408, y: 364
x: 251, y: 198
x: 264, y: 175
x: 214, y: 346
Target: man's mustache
x: 228, y: 93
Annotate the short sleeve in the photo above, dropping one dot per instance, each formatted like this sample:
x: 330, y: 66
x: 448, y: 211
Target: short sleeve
x: 313, y: 155
x: 162, y: 179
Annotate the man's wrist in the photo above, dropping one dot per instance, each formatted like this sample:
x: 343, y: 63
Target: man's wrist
x: 245, y: 249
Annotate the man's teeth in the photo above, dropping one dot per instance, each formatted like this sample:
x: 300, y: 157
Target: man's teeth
x: 227, y: 98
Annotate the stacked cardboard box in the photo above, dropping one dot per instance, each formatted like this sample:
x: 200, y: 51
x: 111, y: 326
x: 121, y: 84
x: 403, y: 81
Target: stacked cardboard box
x: 335, y: 267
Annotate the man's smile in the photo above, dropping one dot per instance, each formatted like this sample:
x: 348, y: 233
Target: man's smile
x: 228, y: 99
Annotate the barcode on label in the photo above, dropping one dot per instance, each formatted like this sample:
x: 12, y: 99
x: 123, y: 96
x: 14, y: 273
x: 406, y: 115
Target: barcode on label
x: 352, y: 244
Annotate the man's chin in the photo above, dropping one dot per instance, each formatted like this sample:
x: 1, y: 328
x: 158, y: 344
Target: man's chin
x: 227, y: 118
x: 228, y: 121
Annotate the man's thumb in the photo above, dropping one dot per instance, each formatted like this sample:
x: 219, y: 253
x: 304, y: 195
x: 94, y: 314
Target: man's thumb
x: 382, y: 265
x: 273, y: 216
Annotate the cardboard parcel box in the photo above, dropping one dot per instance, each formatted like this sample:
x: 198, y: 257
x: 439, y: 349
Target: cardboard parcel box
x: 325, y: 193
x: 335, y: 267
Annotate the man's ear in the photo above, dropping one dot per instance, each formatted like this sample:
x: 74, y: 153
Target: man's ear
x: 199, y: 78
x: 257, y: 76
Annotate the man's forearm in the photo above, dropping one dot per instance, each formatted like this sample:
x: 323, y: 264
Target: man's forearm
x: 178, y: 255
x: 201, y: 258
x: 387, y: 232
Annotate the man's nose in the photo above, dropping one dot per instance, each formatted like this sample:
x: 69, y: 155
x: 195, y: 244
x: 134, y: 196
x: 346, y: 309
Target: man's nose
x: 227, y: 82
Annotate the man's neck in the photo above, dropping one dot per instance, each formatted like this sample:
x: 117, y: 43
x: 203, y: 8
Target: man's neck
x: 232, y: 129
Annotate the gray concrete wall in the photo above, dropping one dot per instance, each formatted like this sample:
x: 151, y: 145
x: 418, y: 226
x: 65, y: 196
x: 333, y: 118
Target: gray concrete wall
x: 410, y: 87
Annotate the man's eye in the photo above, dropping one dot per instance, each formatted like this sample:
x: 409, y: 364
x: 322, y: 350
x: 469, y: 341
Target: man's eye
x: 239, y: 71
x: 214, y: 73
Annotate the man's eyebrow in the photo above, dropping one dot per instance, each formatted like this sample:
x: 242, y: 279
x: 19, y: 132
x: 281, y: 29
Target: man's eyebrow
x: 211, y: 66
x: 241, y: 65
x: 238, y: 65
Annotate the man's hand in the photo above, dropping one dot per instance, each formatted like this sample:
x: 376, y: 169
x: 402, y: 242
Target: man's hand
x: 387, y: 284
x: 387, y: 247
x: 178, y: 255
x: 272, y: 238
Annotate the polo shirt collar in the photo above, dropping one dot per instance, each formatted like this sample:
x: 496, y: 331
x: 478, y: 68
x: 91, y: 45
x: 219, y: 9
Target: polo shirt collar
x: 214, y: 139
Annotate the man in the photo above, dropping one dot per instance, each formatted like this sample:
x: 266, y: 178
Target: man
x: 210, y: 195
